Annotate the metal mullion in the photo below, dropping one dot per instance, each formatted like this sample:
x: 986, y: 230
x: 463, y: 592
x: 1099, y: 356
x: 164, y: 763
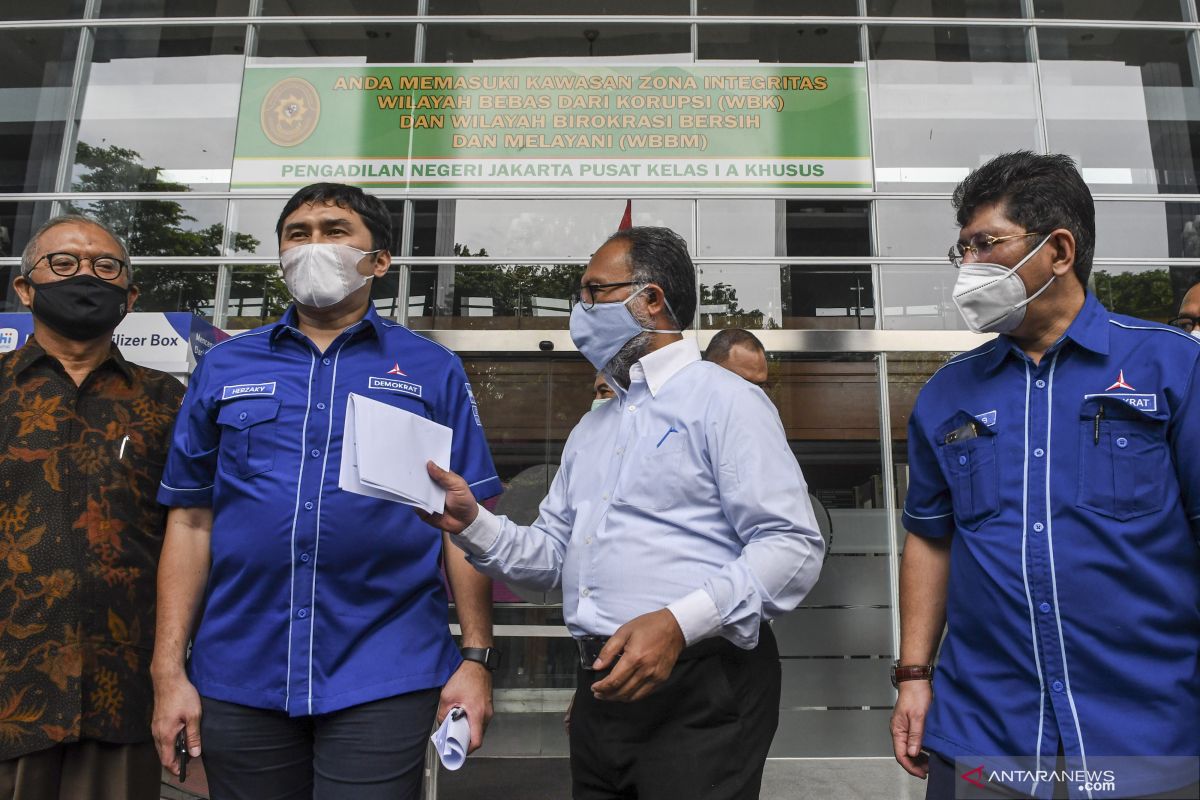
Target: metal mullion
x: 576, y: 19
x: 888, y: 478
x: 1036, y: 59
x: 79, y: 78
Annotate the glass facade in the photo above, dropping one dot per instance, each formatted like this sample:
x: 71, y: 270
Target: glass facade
x: 127, y: 109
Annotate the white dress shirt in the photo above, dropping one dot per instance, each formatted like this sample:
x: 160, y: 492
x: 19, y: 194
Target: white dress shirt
x: 681, y: 493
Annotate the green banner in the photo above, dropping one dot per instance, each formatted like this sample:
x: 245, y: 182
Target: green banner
x: 516, y: 128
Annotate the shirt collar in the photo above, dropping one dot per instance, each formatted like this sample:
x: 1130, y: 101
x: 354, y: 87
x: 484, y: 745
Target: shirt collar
x: 32, y: 352
x: 291, y: 321
x: 660, y: 365
x: 1089, y: 330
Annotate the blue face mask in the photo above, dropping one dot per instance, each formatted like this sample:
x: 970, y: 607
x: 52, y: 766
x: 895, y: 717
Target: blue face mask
x: 601, y: 332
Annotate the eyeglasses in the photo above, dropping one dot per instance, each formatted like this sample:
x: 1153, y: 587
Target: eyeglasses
x: 1185, y: 323
x: 979, y: 244
x: 587, y: 294
x: 67, y: 264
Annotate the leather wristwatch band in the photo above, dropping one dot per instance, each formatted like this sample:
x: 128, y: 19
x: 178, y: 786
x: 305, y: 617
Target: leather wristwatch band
x: 922, y: 672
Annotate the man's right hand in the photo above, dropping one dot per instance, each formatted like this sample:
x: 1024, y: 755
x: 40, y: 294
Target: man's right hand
x: 176, y: 706
x: 461, y: 506
x: 908, y: 726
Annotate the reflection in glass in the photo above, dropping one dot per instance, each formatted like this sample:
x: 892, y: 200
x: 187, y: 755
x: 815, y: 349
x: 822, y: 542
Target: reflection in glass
x: 174, y: 8
x: 915, y: 227
x: 1124, y: 104
x: 167, y: 227
x: 944, y: 8
x: 768, y: 296
x: 818, y: 44
x: 1143, y: 291
x: 331, y: 8
x: 517, y: 229
x: 771, y: 228
x: 778, y: 8
x: 176, y: 287
x: 18, y: 221
x: 919, y: 297
x: 161, y: 99
x: 257, y: 219
x: 556, y: 7
x: 35, y: 95
x: 257, y: 296
x: 944, y: 98
x: 46, y: 9
x: 467, y: 43
x: 491, y: 297
x: 1172, y: 10
x: 361, y: 43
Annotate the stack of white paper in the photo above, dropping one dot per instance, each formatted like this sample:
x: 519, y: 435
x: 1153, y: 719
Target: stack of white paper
x: 384, y: 451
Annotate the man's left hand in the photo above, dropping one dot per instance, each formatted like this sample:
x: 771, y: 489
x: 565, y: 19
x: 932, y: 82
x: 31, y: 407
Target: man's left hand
x: 471, y: 688
x: 648, y: 647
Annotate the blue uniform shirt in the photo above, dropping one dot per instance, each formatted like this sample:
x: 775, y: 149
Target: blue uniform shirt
x: 1074, y: 503
x: 318, y: 599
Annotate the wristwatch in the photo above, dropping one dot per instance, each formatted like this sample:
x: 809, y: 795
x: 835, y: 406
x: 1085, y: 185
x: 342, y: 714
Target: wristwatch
x: 923, y: 672
x: 488, y: 656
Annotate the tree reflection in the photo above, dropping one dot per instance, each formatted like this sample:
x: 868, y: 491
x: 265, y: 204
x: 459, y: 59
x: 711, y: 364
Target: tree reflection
x: 153, y: 227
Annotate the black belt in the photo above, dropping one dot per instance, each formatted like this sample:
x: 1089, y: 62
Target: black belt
x: 590, y: 646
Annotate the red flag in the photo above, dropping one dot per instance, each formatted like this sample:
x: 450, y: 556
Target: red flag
x: 627, y: 219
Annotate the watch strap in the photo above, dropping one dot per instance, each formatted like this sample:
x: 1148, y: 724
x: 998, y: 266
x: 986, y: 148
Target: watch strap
x: 489, y: 657
x: 920, y: 672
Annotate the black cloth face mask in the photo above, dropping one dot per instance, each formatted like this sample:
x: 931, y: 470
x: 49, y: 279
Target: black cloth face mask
x: 82, y: 307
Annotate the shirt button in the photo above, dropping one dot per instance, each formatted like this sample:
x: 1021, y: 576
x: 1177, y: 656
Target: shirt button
x: 304, y: 557
x: 1057, y: 686
x: 325, y: 361
x: 1037, y: 526
x: 321, y: 406
x: 632, y: 408
x: 1039, y: 452
x: 1039, y: 383
x: 242, y: 415
x: 1044, y: 608
x: 604, y: 497
x: 308, y: 506
x: 588, y: 540
x: 620, y: 450
x: 1122, y: 442
x: 315, y: 452
x: 586, y: 592
x: 962, y: 459
x: 302, y: 613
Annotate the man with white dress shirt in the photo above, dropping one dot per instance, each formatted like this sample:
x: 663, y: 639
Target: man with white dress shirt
x: 677, y: 526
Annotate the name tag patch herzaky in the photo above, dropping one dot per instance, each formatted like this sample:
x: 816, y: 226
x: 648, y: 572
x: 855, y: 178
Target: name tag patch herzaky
x: 248, y: 389
x: 395, y: 385
x: 1142, y: 402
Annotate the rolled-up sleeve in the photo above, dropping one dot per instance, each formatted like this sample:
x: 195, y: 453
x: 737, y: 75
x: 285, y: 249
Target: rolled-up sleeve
x: 191, y: 466
x: 765, y: 499
x: 469, y: 454
x: 927, y: 507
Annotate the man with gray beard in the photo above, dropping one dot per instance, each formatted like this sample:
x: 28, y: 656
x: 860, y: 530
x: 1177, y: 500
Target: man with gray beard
x: 678, y: 525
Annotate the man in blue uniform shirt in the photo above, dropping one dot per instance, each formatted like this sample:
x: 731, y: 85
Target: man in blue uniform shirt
x: 677, y: 526
x: 322, y: 652
x: 1053, y: 511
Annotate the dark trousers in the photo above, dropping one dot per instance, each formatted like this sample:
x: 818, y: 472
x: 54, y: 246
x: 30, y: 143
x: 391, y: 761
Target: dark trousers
x: 704, y: 734
x: 367, y: 752
x: 84, y: 770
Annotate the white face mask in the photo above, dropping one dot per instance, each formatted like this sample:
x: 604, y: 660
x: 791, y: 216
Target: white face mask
x: 320, y: 275
x: 1196, y: 333
x: 599, y: 401
x: 991, y: 297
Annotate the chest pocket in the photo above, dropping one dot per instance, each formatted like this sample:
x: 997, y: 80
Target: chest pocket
x: 1124, y: 461
x: 248, y: 436
x: 967, y: 449
x: 655, y: 481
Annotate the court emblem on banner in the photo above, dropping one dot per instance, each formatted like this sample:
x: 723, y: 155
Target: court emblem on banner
x: 290, y: 112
